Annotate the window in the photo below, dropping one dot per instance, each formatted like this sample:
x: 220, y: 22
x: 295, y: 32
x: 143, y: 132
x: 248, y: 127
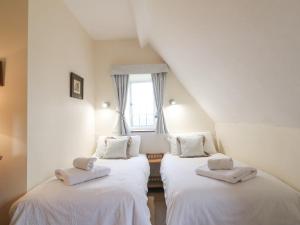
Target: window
x: 140, y: 110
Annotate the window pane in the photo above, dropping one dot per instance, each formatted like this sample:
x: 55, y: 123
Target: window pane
x: 141, y: 106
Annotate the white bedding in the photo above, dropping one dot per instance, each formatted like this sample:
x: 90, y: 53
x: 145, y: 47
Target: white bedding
x: 195, y: 200
x: 118, y: 199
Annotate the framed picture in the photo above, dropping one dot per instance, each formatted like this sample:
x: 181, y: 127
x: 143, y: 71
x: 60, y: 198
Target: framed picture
x: 1, y: 73
x: 76, y: 86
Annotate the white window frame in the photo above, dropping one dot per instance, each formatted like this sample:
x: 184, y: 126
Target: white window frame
x: 130, y: 110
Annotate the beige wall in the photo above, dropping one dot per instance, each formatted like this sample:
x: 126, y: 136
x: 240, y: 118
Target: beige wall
x: 240, y: 61
x: 273, y: 149
x: 13, y: 48
x: 234, y: 57
x: 59, y: 127
x: 183, y: 117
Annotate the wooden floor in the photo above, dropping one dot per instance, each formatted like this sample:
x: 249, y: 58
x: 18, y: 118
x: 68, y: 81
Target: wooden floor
x: 157, y: 206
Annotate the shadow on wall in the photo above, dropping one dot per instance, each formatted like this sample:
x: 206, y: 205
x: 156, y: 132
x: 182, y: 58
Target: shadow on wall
x: 12, y: 174
x: 220, y: 147
x: 13, y: 166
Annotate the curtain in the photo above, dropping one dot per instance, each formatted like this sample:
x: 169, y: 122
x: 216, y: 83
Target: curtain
x: 158, y: 80
x: 121, y: 82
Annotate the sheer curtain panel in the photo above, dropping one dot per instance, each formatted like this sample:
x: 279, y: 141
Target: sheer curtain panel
x: 121, y: 83
x: 158, y: 80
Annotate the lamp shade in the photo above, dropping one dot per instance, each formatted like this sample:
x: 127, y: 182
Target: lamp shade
x: 105, y: 105
x: 172, y: 102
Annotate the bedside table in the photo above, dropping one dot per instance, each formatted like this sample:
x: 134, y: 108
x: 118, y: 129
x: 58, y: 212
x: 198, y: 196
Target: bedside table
x: 155, y: 179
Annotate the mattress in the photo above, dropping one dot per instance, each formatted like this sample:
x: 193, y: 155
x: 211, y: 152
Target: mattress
x: 197, y: 200
x: 117, y: 199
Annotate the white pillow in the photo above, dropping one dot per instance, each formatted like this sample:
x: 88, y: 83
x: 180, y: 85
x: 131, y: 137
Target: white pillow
x: 134, y: 146
x: 191, y: 146
x: 209, y: 146
x: 132, y: 150
x: 116, y: 148
x: 174, y: 145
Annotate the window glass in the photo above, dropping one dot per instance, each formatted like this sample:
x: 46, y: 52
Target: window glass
x: 140, y: 110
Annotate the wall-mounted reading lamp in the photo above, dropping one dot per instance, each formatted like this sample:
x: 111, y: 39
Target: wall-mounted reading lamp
x: 105, y: 105
x: 172, y: 102
x: 1, y: 73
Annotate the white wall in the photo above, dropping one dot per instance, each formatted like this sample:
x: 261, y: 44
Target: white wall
x: 59, y: 127
x: 13, y: 48
x: 271, y: 148
x: 240, y: 60
x: 186, y: 116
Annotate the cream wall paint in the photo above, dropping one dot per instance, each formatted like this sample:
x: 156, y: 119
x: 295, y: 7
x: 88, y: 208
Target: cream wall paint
x: 273, y: 149
x: 186, y: 116
x: 13, y: 48
x: 240, y: 60
x: 104, y: 20
x: 59, y: 127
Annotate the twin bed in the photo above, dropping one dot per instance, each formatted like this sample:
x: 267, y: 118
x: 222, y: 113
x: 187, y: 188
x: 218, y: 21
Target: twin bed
x: 196, y: 200
x: 121, y: 198
x: 117, y: 199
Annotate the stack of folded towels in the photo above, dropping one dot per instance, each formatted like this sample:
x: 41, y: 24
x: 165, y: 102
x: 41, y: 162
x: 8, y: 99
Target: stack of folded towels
x: 84, y: 170
x: 221, y: 168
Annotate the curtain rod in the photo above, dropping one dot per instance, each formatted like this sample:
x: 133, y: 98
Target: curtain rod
x: 139, y: 69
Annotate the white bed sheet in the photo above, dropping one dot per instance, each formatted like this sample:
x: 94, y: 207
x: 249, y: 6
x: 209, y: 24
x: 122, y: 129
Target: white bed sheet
x: 118, y: 199
x: 196, y: 200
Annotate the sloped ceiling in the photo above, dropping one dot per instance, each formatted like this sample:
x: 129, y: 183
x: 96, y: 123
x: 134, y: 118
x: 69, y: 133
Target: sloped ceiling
x: 240, y: 59
x: 104, y: 19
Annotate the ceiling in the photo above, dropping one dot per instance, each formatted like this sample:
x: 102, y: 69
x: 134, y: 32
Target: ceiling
x: 104, y: 19
x: 239, y: 59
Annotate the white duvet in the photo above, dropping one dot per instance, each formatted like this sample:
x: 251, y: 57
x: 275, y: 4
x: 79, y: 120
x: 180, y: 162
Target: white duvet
x: 196, y: 200
x: 118, y: 199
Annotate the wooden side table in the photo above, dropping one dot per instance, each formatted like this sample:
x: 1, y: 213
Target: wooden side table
x: 155, y: 178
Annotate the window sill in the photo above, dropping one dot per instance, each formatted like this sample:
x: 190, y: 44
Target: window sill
x: 142, y: 131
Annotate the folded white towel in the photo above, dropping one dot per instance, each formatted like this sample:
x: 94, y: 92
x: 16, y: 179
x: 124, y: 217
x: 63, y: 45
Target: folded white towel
x: 84, y: 163
x: 220, y: 164
x: 75, y: 176
x: 237, y: 174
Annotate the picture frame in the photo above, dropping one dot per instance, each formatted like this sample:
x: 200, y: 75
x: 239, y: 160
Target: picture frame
x: 76, y: 86
x: 1, y: 73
